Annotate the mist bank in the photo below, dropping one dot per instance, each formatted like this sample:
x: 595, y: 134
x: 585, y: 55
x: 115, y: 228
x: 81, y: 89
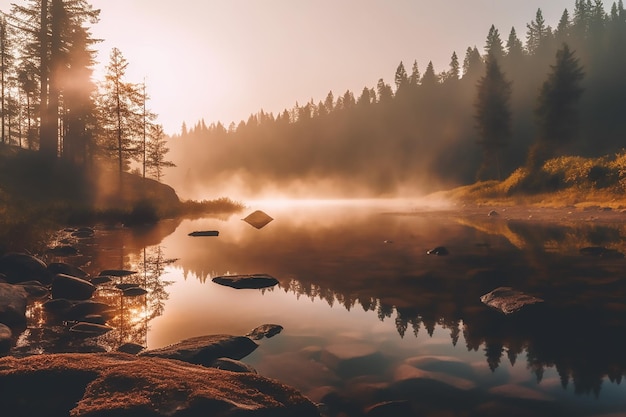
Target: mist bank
x: 420, y: 136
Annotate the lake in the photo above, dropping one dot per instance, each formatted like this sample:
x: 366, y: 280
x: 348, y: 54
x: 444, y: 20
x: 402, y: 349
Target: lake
x: 369, y: 317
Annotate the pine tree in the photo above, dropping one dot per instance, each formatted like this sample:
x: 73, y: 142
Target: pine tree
x: 156, y: 151
x: 493, y: 115
x: 329, y: 102
x: 556, y: 111
x: 121, y: 109
x: 563, y: 29
x: 472, y: 64
x: 454, y: 73
x: 384, y: 91
x: 430, y: 79
x: 401, y: 77
x: 147, y: 119
x: 49, y: 29
x: 494, y: 46
x: 6, y: 68
x: 415, y: 77
x: 537, y: 33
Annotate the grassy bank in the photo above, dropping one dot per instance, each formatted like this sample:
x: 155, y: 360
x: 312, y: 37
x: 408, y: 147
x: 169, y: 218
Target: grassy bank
x: 560, y: 182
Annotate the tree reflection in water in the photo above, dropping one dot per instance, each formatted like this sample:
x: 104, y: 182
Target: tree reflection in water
x: 344, y: 262
x: 580, y: 333
x: 133, y: 314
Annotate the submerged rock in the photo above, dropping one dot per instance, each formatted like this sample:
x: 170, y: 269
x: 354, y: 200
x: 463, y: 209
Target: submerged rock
x: 601, y: 252
x: 508, y: 300
x: 254, y: 281
x: 122, y: 385
x: 204, y: 350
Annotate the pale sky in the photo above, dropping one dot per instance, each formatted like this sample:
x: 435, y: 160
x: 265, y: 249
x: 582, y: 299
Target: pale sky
x: 222, y: 60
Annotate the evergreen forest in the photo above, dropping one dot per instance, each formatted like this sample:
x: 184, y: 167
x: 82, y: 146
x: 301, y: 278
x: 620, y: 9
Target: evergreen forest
x: 525, y: 96
x: 52, y: 105
x: 551, y: 89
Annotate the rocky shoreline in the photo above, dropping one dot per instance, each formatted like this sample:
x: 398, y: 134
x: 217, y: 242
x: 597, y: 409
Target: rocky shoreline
x: 197, y: 376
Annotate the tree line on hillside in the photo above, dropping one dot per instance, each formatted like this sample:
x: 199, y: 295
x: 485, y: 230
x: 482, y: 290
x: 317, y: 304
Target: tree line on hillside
x: 560, y: 90
x: 50, y: 102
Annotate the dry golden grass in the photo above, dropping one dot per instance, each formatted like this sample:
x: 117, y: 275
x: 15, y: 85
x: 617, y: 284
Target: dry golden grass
x: 568, y: 181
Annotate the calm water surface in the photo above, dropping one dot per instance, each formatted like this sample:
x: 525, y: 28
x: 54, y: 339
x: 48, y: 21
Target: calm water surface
x: 369, y: 317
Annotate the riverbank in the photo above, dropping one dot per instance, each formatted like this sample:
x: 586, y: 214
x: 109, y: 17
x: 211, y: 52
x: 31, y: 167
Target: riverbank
x: 565, y: 187
x: 37, y: 195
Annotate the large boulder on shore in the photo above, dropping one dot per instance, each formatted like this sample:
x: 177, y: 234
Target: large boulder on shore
x: 204, y: 350
x: 122, y: 385
x: 13, y: 299
x: 21, y: 267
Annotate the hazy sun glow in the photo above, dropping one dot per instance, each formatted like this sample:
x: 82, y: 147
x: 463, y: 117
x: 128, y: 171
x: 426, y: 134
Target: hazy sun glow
x: 223, y: 60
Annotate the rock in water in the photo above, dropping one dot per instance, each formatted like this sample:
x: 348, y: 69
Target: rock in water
x: 205, y: 233
x: 265, y: 330
x: 134, y: 292
x: 508, y: 300
x: 72, y: 288
x: 204, y: 350
x: 117, y: 272
x: 258, y: 219
x: 254, y: 281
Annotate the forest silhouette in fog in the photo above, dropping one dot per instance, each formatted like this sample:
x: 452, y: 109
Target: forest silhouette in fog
x: 420, y: 126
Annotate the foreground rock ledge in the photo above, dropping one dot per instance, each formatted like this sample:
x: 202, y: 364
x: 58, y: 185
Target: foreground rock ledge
x: 118, y: 384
